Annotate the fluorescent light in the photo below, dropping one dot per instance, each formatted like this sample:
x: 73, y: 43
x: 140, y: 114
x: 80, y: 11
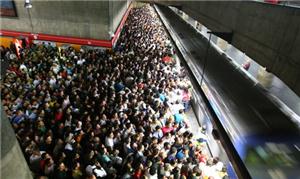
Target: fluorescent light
x: 28, y: 4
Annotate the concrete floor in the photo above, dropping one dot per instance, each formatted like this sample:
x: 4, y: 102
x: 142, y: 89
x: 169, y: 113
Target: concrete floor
x: 212, y: 147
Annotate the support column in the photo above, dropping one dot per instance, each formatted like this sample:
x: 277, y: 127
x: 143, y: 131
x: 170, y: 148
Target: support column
x: 13, y: 163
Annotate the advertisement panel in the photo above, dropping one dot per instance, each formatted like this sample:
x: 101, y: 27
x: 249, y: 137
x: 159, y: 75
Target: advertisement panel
x: 8, y: 8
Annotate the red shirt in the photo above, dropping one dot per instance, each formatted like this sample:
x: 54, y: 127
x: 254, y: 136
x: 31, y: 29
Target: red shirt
x: 42, y: 165
x: 167, y: 129
x: 185, y: 96
x: 16, y: 70
x: 140, y: 85
x: 202, y: 158
x: 167, y: 59
x: 137, y: 174
x: 64, y: 74
x: 58, y: 116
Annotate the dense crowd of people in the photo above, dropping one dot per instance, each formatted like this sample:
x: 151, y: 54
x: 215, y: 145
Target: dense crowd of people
x: 106, y: 114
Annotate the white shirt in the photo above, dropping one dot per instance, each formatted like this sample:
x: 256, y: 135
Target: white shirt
x: 80, y: 61
x: 176, y: 107
x: 210, y: 171
x: 36, y: 82
x: 66, y: 103
x: 52, y: 81
x: 99, y: 172
x: 68, y: 123
x: 218, y: 166
x: 56, y: 69
x: 68, y: 147
x: 109, y: 142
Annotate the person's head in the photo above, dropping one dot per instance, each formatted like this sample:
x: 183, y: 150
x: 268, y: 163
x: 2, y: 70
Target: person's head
x: 173, y: 150
x: 181, y: 111
x: 197, y: 171
x: 48, y: 161
x: 116, y: 152
x: 168, y: 135
x: 111, y: 135
x: 209, y: 162
x: 185, y: 150
x: 168, y: 124
x: 140, y: 147
x: 216, y: 160
x: 49, y: 140
x: 44, y: 156
x: 92, y: 176
x: 167, y: 146
x: 154, y: 140
x: 42, y: 177
x: 61, y: 167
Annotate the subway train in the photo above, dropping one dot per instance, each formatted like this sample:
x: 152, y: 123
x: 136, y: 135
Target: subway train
x: 267, y: 149
x: 267, y: 142
x: 265, y: 137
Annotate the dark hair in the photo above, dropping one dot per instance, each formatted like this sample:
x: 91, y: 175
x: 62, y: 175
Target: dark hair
x: 153, y: 170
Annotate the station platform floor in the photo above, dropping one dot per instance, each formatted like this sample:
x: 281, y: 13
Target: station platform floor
x: 196, y: 129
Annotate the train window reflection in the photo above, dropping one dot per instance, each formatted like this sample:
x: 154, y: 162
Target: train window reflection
x: 273, y: 155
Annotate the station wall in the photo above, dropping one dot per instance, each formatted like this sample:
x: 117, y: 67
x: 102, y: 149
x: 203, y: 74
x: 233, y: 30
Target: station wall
x: 82, y: 19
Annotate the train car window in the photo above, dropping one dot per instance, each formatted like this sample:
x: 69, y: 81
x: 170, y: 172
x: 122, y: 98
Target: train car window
x: 273, y: 155
x: 215, y: 134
